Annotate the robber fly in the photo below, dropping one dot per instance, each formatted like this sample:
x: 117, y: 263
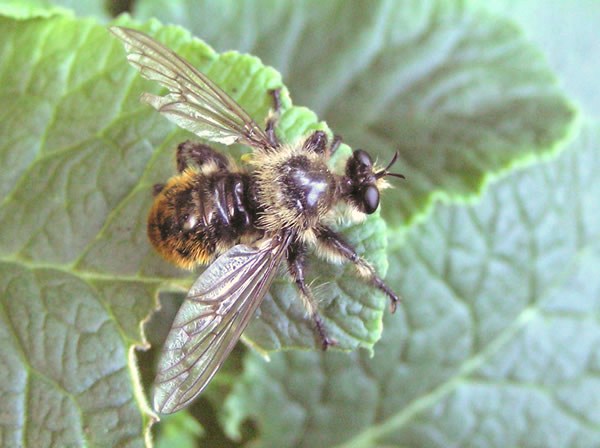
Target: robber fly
x: 244, y: 222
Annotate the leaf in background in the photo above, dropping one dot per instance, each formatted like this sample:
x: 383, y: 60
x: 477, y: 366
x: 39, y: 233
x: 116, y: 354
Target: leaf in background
x: 28, y: 9
x: 498, y: 344
x: 567, y: 32
x: 78, y: 276
x: 181, y: 430
x: 460, y: 92
x: 99, y: 9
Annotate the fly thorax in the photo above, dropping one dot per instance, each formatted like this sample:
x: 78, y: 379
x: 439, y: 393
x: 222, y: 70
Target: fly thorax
x: 300, y: 192
x: 307, y: 186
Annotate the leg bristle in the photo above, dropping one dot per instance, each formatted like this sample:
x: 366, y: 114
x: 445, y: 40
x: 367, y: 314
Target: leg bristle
x: 334, y: 243
x: 296, y: 259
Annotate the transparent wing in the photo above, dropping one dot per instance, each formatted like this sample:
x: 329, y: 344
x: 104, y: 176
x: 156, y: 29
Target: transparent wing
x: 194, y: 102
x: 211, y: 319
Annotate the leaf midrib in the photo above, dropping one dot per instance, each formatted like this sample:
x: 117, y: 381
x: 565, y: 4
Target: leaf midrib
x: 373, y: 433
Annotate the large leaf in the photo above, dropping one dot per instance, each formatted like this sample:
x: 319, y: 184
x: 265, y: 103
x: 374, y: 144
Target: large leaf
x: 76, y: 267
x: 498, y: 343
x: 460, y: 92
x: 567, y: 33
x: 80, y: 156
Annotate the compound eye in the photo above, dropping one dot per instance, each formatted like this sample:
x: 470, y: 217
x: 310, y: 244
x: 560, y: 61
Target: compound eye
x: 363, y: 158
x: 370, y: 199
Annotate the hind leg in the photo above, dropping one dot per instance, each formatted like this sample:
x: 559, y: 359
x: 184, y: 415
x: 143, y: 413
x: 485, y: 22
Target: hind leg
x: 198, y: 154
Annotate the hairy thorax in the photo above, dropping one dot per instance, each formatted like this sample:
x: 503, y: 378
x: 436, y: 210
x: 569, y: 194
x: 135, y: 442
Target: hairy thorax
x: 295, y: 187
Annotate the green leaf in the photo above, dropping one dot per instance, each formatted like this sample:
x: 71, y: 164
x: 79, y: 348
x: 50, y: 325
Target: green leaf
x: 567, y: 33
x: 181, y: 430
x: 78, y: 276
x: 67, y: 332
x: 28, y: 9
x: 461, y: 93
x: 99, y: 9
x: 102, y: 10
x: 498, y: 341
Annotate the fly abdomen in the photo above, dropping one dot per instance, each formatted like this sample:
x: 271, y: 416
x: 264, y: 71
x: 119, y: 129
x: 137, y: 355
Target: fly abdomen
x: 197, y: 216
x: 232, y: 212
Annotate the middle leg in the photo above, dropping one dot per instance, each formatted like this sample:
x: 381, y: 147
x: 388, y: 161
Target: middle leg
x: 296, y: 259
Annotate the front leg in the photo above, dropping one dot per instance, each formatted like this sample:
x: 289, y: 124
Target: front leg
x: 296, y: 258
x: 334, y: 244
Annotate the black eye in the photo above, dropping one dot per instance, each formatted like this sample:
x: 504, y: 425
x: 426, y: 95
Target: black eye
x: 370, y: 199
x: 363, y: 157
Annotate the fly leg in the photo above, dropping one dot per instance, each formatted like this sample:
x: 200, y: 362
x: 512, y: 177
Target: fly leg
x: 296, y: 259
x: 334, y: 244
x: 157, y: 188
x: 198, y: 154
x: 335, y: 144
x: 191, y: 153
x: 273, y: 118
x: 317, y: 142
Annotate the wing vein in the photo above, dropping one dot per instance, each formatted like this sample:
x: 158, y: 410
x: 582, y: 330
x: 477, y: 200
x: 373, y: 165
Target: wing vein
x: 210, y: 321
x: 201, y: 106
